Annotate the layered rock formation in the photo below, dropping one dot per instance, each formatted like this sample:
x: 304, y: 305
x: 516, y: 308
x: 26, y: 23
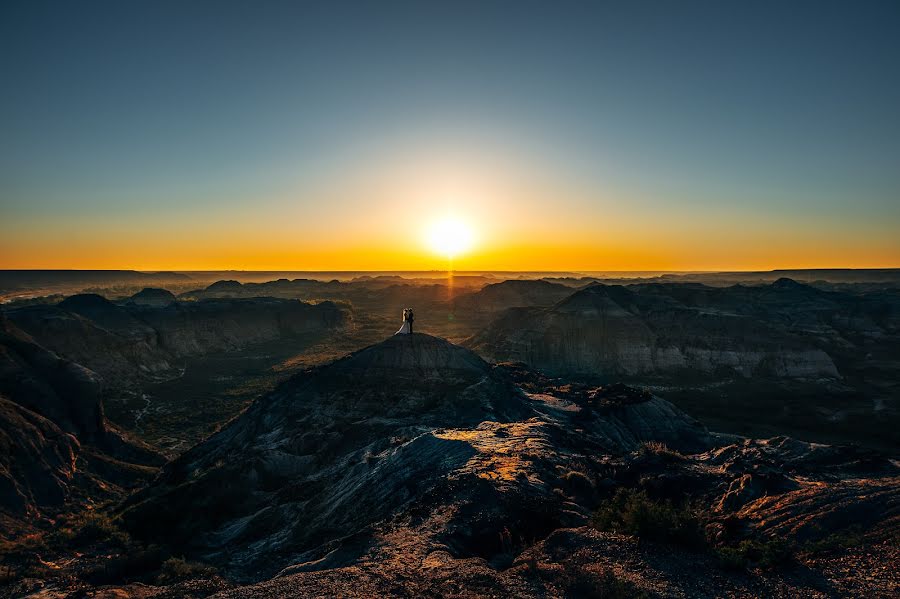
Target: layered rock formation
x: 512, y: 294
x: 784, y: 330
x: 146, y: 336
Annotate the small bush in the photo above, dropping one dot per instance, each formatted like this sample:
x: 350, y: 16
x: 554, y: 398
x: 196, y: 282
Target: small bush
x: 659, y: 450
x: 633, y: 512
x: 91, y: 527
x: 767, y: 554
x: 847, y: 539
x: 578, y: 482
x: 579, y: 583
x: 176, y: 569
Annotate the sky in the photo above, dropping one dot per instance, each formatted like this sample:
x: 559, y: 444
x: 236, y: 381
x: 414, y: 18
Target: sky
x: 564, y: 135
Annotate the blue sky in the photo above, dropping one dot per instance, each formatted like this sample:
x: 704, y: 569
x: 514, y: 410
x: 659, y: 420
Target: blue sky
x: 779, y: 115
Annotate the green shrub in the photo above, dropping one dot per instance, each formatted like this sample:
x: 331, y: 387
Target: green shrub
x: 768, y: 554
x: 176, y: 569
x: 579, y: 583
x: 633, y: 512
x: 578, y: 482
x: 91, y: 527
x: 659, y: 450
x: 846, y: 539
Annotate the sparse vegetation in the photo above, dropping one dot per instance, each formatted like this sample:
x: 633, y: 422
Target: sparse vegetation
x: 91, y: 527
x: 633, y: 512
x: 582, y: 583
x: 852, y: 537
x: 176, y: 569
x: 768, y: 554
x: 577, y: 482
x: 660, y: 451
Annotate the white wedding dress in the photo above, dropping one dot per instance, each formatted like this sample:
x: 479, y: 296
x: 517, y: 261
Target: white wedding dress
x: 404, y: 330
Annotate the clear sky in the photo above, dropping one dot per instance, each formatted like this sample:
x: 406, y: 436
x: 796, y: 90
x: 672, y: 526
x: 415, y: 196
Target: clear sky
x: 593, y: 136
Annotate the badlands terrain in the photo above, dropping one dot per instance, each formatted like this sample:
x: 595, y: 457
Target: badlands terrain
x: 557, y: 436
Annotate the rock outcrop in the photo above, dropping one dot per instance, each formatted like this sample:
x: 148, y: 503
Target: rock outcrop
x: 64, y: 392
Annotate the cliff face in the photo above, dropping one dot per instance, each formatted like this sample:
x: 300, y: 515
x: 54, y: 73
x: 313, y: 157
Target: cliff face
x: 777, y: 332
x: 53, y: 433
x: 120, y: 349
x: 39, y: 380
x: 139, y: 340
x: 192, y: 328
x: 37, y: 461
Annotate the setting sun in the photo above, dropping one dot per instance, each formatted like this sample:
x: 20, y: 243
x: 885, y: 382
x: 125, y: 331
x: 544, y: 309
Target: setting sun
x: 449, y: 237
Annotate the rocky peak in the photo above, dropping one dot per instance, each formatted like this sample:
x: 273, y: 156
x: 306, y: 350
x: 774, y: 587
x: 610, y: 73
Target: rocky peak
x: 417, y: 354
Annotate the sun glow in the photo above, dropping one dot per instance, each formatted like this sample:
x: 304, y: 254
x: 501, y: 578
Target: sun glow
x: 449, y: 237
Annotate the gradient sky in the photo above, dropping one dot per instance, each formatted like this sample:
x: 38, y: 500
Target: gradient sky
x: 583, y: 136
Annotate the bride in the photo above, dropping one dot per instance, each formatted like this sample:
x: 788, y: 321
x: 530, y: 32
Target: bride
x: 407, y: 327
